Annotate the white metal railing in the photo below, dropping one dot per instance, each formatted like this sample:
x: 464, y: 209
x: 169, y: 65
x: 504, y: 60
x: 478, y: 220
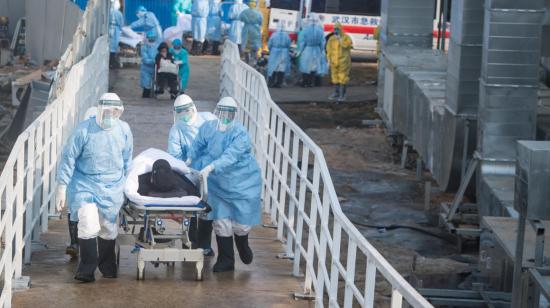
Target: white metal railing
x: 27, y: 181
x: 299, y: 196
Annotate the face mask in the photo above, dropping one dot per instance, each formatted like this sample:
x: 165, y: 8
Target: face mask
x: 186, y: 118
x: 140, y: 14
x: 226, y: 121
x: 107, y: 122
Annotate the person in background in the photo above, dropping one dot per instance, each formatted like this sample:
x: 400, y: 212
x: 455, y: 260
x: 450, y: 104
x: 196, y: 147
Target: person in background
x: 181, y: 58
x: 311, y: 51
x: 90, y: 180
x: 199, y: 11
x: 265, y: 8
x: 339, y: 48
x: 278, y: 64
x: 164, y: 78
x: 116, y: 22
x: 146, y: 22
x: 235, y: 31
x: 147, y: 69
x: 214, y: 28
x: 251, y: 41
x: 187, y: 122
x: 234, y: 182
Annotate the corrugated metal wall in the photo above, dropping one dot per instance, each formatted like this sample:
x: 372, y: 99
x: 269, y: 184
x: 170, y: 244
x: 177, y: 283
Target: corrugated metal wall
x: 45, y: 23
x: 14, y: 9
x: 163, y: 9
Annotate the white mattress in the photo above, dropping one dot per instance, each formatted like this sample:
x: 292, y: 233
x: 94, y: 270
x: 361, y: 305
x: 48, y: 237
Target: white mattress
x: 142, y: 164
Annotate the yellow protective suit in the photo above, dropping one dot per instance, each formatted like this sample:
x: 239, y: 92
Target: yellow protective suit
x: 264, y: 9
x: 339, y: 56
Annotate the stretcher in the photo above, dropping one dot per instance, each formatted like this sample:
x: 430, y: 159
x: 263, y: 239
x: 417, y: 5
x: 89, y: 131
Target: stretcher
x: 162, y: 233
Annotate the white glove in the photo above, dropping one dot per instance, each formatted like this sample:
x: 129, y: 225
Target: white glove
x: 60, y: 197
x: 206, y: 171
x: 178, y: 62
x: 188, y: 162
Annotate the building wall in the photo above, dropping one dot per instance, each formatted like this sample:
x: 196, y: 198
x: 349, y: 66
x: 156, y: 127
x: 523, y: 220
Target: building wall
x: 50, y: 28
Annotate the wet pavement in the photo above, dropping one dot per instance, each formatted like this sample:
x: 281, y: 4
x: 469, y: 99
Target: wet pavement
x: 267, y: 282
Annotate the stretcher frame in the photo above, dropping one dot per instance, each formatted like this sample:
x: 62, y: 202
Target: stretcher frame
x: 148, y: 249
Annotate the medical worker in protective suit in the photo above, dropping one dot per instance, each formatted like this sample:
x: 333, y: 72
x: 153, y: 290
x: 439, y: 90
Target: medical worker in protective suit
x: 278, y: 64
x: 234, y: 182
x: 251, y: 41
x: 235, y: 31
x: 199, y: 11
x: 181, y: 58
x: 116, y: 22
x: 146, y: 22
x: 339, y: 47
x: 187, y: 122
x: 90, y: 180
x: 311, y: 51
x: 213, y: 28
x: 147, y: 69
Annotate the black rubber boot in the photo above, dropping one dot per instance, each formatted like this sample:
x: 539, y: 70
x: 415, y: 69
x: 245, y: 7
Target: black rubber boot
x: 244, y: 250
x: 88, y: 260
x: 199, y: 49
x: 226, y: 255
x: 342, y: 97
x: 146, y: 93
x: 317, y: 80
x: 334, y: 96
x: 205, y: 46
x: 194, y: 48
x: 72, y: 249
x: 305, y: 78
x: 205, y: 237
x: 107, y: 258
x: 193, y: 233
x: 215, y: 48
x: 280, y: 79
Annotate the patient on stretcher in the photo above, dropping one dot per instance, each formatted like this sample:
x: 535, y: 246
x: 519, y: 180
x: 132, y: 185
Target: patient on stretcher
x: 163, y: 182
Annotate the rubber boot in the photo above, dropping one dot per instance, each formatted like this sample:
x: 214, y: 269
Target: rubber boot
x: 226, y: 255
x: 107, y: 258
x: 305, y: 78
x: 146, y: 93
x: 88, y: 260
x: 112, y: 60
x: 72, y: 249
x: 216, y: 49
x: 205, y: 46
x: 280, y: 78
x: 342, y: 96
x: 336, y: 94
x: 194, y: 48
x: 199, y: 49
x: 317, y: 80
x: 244, y: 250
x: 205, y: 237
x: 193, y: 234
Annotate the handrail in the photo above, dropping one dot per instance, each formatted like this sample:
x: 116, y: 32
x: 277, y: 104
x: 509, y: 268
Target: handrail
x: 27, y: 181
x: 302, y: 202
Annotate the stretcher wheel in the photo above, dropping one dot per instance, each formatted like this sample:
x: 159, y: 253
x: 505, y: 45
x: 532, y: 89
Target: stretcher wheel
x: 141, y: 270
x: 198, y: 271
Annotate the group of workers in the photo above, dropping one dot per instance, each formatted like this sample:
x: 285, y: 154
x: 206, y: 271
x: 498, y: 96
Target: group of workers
x: 315, y: 53
x: 96, y: 160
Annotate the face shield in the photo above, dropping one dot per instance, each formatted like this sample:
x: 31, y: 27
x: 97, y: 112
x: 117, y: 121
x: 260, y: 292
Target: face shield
x: 186, y: 113
x: 108, y: 112
x: 226, y: 117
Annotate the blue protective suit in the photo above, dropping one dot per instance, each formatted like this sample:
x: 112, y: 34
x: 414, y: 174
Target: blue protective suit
x: 93, y: 166
x: 252, y: 28
x: 214, y: 22
x: 182, y: 135
x: 147, y: 23
x: 235, y: 185
x: 236, y: 28
x: 183, y: 56
x: 312, y: 50
x: 279, y: 59
x: 199, y: 11
x: 147, y: 69
x: 116, y: 22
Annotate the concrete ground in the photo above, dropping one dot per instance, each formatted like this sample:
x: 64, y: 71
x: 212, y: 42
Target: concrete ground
x: 265, y: 283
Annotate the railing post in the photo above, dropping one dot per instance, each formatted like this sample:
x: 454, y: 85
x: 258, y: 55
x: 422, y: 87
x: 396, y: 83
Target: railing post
x: 320, y: 284
x: 30, y: 213
x: 291, y: 204
x: 350, y: 273
x: 334, y: 273
x: 301, y: 205
x: 370, y: 283
x: 312, y: 230
x: 19, y: 212
x: 396, y: 299
x: 8, y: 229
x: 283, y: 179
